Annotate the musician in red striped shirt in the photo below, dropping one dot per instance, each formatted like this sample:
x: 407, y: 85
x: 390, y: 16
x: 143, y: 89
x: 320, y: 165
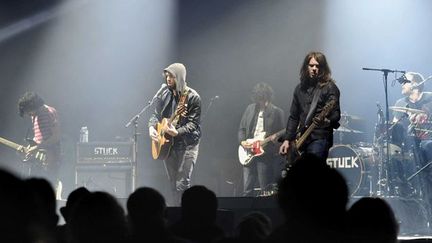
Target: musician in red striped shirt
x: 46, y: 135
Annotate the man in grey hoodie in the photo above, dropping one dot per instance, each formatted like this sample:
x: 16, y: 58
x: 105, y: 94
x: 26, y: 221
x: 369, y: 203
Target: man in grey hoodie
x: 184, y: 130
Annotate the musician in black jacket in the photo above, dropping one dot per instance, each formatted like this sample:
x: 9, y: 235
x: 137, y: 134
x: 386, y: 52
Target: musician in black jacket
x: 261, y: 119
x: 315, y: 76
x: 184, y: 130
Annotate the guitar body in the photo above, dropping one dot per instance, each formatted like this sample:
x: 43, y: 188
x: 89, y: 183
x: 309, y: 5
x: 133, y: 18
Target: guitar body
x: 293, y: 154
x: 41, y: 157
x: 295, y: 147
x: 162, y: 147
x: 246, y: 156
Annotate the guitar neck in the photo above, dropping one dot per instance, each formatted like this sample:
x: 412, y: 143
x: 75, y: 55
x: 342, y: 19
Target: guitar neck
x: 305, y: 135
x: 178, y: 112
x: 327, y: 108
x: 267, y: 139
x: 9, y: 143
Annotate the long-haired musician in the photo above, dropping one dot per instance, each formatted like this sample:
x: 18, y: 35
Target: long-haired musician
x: 315, y: 81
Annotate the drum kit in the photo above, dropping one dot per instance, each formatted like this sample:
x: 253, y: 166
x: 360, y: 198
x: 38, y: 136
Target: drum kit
x: 384, y: 167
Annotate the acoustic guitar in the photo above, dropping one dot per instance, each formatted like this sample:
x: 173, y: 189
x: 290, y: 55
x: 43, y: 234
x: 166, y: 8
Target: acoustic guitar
x: 162, y: 147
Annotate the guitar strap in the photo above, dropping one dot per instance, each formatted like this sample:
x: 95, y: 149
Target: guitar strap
x: 313, y: 105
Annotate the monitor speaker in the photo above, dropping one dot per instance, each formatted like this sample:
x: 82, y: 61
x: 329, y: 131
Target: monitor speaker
x: 114, y: 179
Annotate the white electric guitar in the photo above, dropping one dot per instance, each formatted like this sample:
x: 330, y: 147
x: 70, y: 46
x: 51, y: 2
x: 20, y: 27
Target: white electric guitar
x: 246, y: 156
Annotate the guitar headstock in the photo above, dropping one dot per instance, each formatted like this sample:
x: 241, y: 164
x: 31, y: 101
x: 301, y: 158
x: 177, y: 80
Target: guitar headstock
x: 181, y: 109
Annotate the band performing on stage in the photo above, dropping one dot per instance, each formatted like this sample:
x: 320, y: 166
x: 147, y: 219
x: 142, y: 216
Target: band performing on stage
x: 284, y: 157
x: 396, y: 162
x: 215, y: 121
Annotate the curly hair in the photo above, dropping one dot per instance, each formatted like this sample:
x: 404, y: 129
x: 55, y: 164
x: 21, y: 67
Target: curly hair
x: 30, y: 101
x: 262, y: 91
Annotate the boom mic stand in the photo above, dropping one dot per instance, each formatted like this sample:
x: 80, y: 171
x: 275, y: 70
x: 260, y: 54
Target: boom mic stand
x: 134, y: 121
x: 209, y: 105
x: 387, y: 136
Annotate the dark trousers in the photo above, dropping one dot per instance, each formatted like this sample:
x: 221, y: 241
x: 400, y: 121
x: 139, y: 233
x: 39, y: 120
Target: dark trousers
x: 426, y: 174
x: 50, y: 173
x: 319, y: 148
x: 179, y: 166
x: 261, y: 171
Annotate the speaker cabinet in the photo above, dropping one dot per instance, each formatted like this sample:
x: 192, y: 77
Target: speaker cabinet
x: 118, y: 180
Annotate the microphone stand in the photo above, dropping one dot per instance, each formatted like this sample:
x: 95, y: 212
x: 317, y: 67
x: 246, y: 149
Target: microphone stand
x: 387, y: 136
x: 134, y: 121
x: 209, y: 105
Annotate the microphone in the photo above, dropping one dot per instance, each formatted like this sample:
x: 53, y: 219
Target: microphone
x: 159, y: 92
x: 402, y: 80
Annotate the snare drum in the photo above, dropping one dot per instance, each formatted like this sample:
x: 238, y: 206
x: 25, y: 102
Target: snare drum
x: 353, y: 163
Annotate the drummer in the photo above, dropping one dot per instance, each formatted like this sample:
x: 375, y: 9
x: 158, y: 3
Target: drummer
x: 415, y: 109
x: 416, y: 105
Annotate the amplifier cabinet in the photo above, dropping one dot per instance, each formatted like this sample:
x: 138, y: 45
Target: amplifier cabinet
x: 105, y: 153
x: 116, y: 179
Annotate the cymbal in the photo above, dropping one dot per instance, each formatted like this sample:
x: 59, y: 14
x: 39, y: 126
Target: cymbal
x: 346, y: 129
x: 405, y: 109
x: 351, y: 117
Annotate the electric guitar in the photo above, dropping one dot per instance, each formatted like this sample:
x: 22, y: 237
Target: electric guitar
x: 38, y: 155
x: 247, y: 155
x: 162, y: 147
x: 294, y: 148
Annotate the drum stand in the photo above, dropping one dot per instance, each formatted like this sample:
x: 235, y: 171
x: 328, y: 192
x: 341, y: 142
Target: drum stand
x: 383, y: 188
x: 383, y: 182
x: 418, y: 159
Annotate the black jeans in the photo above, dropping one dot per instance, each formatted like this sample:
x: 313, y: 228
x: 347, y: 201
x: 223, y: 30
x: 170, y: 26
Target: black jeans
x: 319, y: 148
x: 179, y: 166
x: 259, y: 171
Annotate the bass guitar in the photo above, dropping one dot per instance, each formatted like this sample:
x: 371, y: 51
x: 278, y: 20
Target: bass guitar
x: 162, y: 147
x: 294, y: 148
x: 38, y: 155
x: 247, y: 155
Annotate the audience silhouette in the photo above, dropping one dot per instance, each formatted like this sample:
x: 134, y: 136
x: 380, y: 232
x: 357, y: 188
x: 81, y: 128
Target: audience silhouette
x: 65, y: 211
x: 313, y: 197
x: 44, y: 215
x: 146, y: 216
x: 97, y: 217
x: 372, y: 220
x: 198, y: 216
x: 254, y: 227
x: 15, y: 209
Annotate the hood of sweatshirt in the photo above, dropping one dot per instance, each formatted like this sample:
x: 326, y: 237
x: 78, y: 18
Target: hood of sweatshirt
x: 178, y: 70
